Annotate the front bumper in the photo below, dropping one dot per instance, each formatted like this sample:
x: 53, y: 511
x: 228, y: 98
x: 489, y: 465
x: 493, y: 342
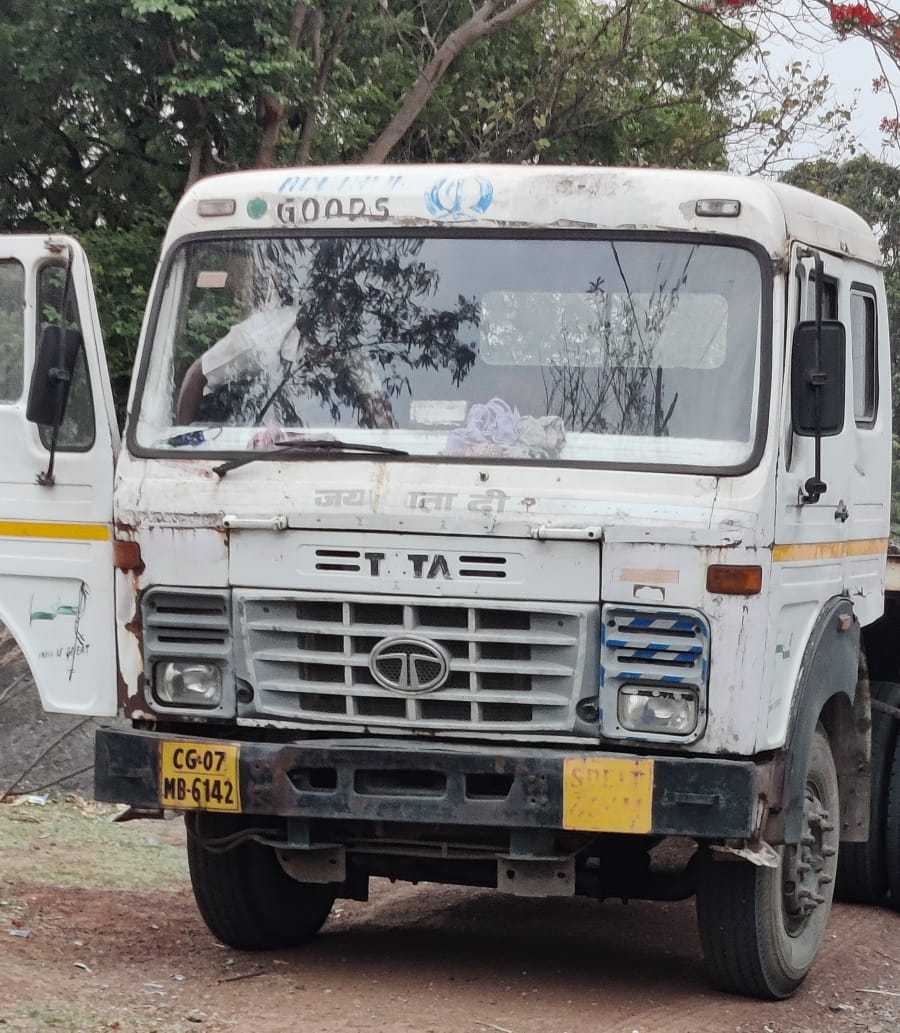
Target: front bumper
x: 447, y: 784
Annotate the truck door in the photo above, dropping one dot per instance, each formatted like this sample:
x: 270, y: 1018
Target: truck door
x: 822, y: 522
x: 841, y: 539
x: 56, y: 543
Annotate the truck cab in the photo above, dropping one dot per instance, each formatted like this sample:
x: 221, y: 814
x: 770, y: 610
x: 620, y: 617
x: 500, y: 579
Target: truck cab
x: 501, y: 526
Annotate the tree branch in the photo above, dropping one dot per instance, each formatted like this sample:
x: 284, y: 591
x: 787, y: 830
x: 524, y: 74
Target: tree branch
x: 492, y: 16
x: 301, y: 156
x: 271, y: 109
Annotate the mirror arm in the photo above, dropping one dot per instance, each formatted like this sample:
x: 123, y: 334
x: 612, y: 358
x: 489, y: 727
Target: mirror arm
x: 815, y: 487
x: 61, y: 376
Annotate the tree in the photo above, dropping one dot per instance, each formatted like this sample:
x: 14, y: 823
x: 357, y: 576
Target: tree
x: 627, y: 83
x: 81, y: 136
x: 637, y: 83
x: 110, y: 107
x: 876, y: 21
x: 488, y: 19
x: 115, y: 106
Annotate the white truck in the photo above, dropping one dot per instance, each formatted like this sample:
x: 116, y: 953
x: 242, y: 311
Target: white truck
x: 518, y: 527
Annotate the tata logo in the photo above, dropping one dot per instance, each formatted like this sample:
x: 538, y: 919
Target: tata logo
x: 424, y: 565
x: 460, y: 200
x: 409, y: 664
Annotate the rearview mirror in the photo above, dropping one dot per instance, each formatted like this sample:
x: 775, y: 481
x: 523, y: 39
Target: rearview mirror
x: 51, y: 378
x: 818, y: 376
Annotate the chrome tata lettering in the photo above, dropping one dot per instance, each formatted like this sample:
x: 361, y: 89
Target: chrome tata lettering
x: 424, y: 565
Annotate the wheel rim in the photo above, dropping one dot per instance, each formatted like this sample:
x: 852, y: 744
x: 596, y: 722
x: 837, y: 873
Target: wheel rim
x: 809, y: 867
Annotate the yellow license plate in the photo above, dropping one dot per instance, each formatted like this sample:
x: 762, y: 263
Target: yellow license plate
x: 608, y: 794
x: 199, y: 776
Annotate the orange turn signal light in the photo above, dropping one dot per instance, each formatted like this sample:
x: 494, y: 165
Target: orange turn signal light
x: 127, y: 556
x: 736, y: 579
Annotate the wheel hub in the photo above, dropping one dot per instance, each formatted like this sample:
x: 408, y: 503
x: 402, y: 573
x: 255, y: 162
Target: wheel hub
x: 809, y: 866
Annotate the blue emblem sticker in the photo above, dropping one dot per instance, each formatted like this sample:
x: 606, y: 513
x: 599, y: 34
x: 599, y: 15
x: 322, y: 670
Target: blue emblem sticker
x: 460, y: 200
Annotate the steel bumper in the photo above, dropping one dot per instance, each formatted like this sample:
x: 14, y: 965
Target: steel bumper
x: 447, y: 784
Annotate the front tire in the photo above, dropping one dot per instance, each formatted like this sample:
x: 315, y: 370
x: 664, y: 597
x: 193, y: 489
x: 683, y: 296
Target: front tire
x: 762, y: 927
x: 244, y: 895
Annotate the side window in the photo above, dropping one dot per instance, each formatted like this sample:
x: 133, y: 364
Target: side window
x: 76, y: 434
x: 12, y: 330
x: 862, y: 345
x: 829, y: 298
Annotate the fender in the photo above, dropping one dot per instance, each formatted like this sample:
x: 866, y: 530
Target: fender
x: 828, y: 671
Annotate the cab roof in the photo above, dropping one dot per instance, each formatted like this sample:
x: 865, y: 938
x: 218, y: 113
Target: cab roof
x: 519, y: 197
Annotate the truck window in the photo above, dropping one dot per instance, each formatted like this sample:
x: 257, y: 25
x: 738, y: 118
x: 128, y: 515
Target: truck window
x: 76, y: 433
x: 829, y: 298
x: 862, y: 343
x: 12, y: 330
x: 534, y: 348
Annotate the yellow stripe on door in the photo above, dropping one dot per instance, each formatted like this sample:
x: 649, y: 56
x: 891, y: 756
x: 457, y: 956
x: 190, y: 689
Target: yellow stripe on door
x: 48, y: 529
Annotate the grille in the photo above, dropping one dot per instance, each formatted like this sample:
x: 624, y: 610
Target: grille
x: 186, y: 623
x: 654, y: 647
x: 511, y: 666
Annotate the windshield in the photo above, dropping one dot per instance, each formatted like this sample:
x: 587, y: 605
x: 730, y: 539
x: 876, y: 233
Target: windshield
x: 582, y: 350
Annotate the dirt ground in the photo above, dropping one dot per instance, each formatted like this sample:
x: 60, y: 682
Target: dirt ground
x: 38, y: 751
x: 98, y: 931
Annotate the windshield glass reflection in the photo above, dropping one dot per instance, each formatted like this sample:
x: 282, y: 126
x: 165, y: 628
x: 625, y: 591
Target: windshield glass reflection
x: 585, y: 350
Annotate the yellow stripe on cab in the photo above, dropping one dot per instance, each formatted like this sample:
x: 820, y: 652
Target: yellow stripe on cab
x: 804, y: 552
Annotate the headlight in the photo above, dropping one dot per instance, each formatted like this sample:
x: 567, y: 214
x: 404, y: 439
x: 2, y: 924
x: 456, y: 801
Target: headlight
x: 187, y: 683
x: 666, y: 711
x: 654, y: 673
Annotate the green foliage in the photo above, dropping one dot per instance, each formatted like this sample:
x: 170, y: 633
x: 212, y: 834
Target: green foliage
x: 112, y: 106
x: 625, y: 83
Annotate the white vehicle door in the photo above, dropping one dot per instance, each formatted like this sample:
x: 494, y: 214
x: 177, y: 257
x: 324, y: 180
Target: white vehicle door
x: 821, y: 522
x: 56, y: 540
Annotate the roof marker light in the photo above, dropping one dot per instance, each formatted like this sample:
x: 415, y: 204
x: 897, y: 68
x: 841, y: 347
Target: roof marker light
x: 718, y: 208
x: 217, y: 206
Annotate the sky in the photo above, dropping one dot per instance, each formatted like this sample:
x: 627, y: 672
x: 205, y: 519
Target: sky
x: 850, y: 64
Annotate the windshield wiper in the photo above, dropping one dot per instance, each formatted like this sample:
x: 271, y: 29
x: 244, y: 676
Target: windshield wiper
x: 305, y: 446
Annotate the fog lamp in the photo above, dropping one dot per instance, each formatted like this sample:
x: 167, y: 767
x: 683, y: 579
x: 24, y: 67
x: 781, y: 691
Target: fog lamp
x: 663, y: 711
x: 187, y: 683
